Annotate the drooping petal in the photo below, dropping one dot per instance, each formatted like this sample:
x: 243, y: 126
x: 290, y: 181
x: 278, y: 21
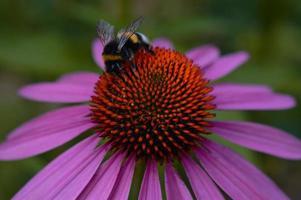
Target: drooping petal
x: 123, y: 183
x: 97, y: 49
x: 259, y: 137
x: 102, y: 183
x: 66, y: 176
x: 203, y: 55
x: 225, y: 65
x: 162, y: 42
x: 174, y: 186
x: 46, y: 132
x: 249, y: 97
x: 236, y: 176
x: 57, y: 92
x: 203, y: 187
x: 81, y: 78
x: 150, y: 187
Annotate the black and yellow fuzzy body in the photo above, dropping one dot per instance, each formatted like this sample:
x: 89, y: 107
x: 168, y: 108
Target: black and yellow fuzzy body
x: 114, y: 57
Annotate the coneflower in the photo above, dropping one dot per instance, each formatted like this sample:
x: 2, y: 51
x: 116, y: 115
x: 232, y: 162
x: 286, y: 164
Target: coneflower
x: 159, y: 113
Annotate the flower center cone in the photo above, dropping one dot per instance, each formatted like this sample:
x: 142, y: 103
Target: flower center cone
x: 157, y: 106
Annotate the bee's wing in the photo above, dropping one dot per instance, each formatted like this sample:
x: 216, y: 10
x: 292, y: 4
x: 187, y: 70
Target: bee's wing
x: 128, y: 32
x: 105, y: 31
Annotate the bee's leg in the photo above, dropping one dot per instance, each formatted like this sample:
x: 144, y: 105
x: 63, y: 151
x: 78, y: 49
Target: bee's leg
x: 119, y: 69
x: 133, y: 69
x: 130, y: 55
x: 149, y: 49
x: 133, y: 65
x: 151, y: 52
x: 112, y: 67
x: 115, y: 69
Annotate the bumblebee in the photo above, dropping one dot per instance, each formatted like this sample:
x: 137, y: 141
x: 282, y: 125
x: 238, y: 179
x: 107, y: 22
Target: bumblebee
x: 123, y: 46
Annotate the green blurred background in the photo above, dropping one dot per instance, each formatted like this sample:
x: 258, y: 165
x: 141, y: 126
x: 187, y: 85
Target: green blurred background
x: 40, y: 40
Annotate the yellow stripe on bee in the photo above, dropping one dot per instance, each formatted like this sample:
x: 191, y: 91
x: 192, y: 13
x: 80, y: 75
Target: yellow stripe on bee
x: 134, y: 38
x: 111, y: 57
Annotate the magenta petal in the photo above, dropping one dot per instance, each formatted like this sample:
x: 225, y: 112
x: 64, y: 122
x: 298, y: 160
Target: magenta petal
x: 97, y: 49
x: 225, y: 65
x: 103, y: 181
x: 63, y: 115
x: 174, y: 186
x: 249, y: 97
x: 66, y: 176
x: 162, y: 42
x: 259, y: 137
x: 224, y: 88
x: 237, y: 177
x: 58, y: 92
x: 46, y: 132
x: 123, y: 183
x: 150, y: 187
x: 203, y: 55
x: 202, y: 185
x: 81, y: 78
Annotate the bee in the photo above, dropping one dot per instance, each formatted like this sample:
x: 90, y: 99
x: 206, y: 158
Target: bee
x: 122, y: 47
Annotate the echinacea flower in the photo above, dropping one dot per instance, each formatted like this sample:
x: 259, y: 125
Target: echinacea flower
x: 159, y: 113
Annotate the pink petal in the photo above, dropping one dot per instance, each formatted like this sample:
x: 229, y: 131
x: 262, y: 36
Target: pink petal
x: 59, y: 92
x: 97, y: 49
x: 224, y: 88
x: 201, y: 184
x: 249, y: 97
x: 150, y: 187
x: 123, y: 183
x: 66, y: 176
x: 225, y: 65
x: 203, y: 55
x: 162, y: 42
x: 81, y: 78
x: 61, y: 115
x: 260, y: 137
x: 103, y: 181
x: 237, y: 177
x: 46, y: 132
x: 174, y: 186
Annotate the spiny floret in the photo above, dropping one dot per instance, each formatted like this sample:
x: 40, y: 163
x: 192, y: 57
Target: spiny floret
x: 157, y: 107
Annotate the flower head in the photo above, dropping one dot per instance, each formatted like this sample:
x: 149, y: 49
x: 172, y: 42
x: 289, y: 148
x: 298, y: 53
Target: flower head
x: 159, y: 109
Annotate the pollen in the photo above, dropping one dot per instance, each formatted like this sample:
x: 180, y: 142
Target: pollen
x: 158, y: 106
